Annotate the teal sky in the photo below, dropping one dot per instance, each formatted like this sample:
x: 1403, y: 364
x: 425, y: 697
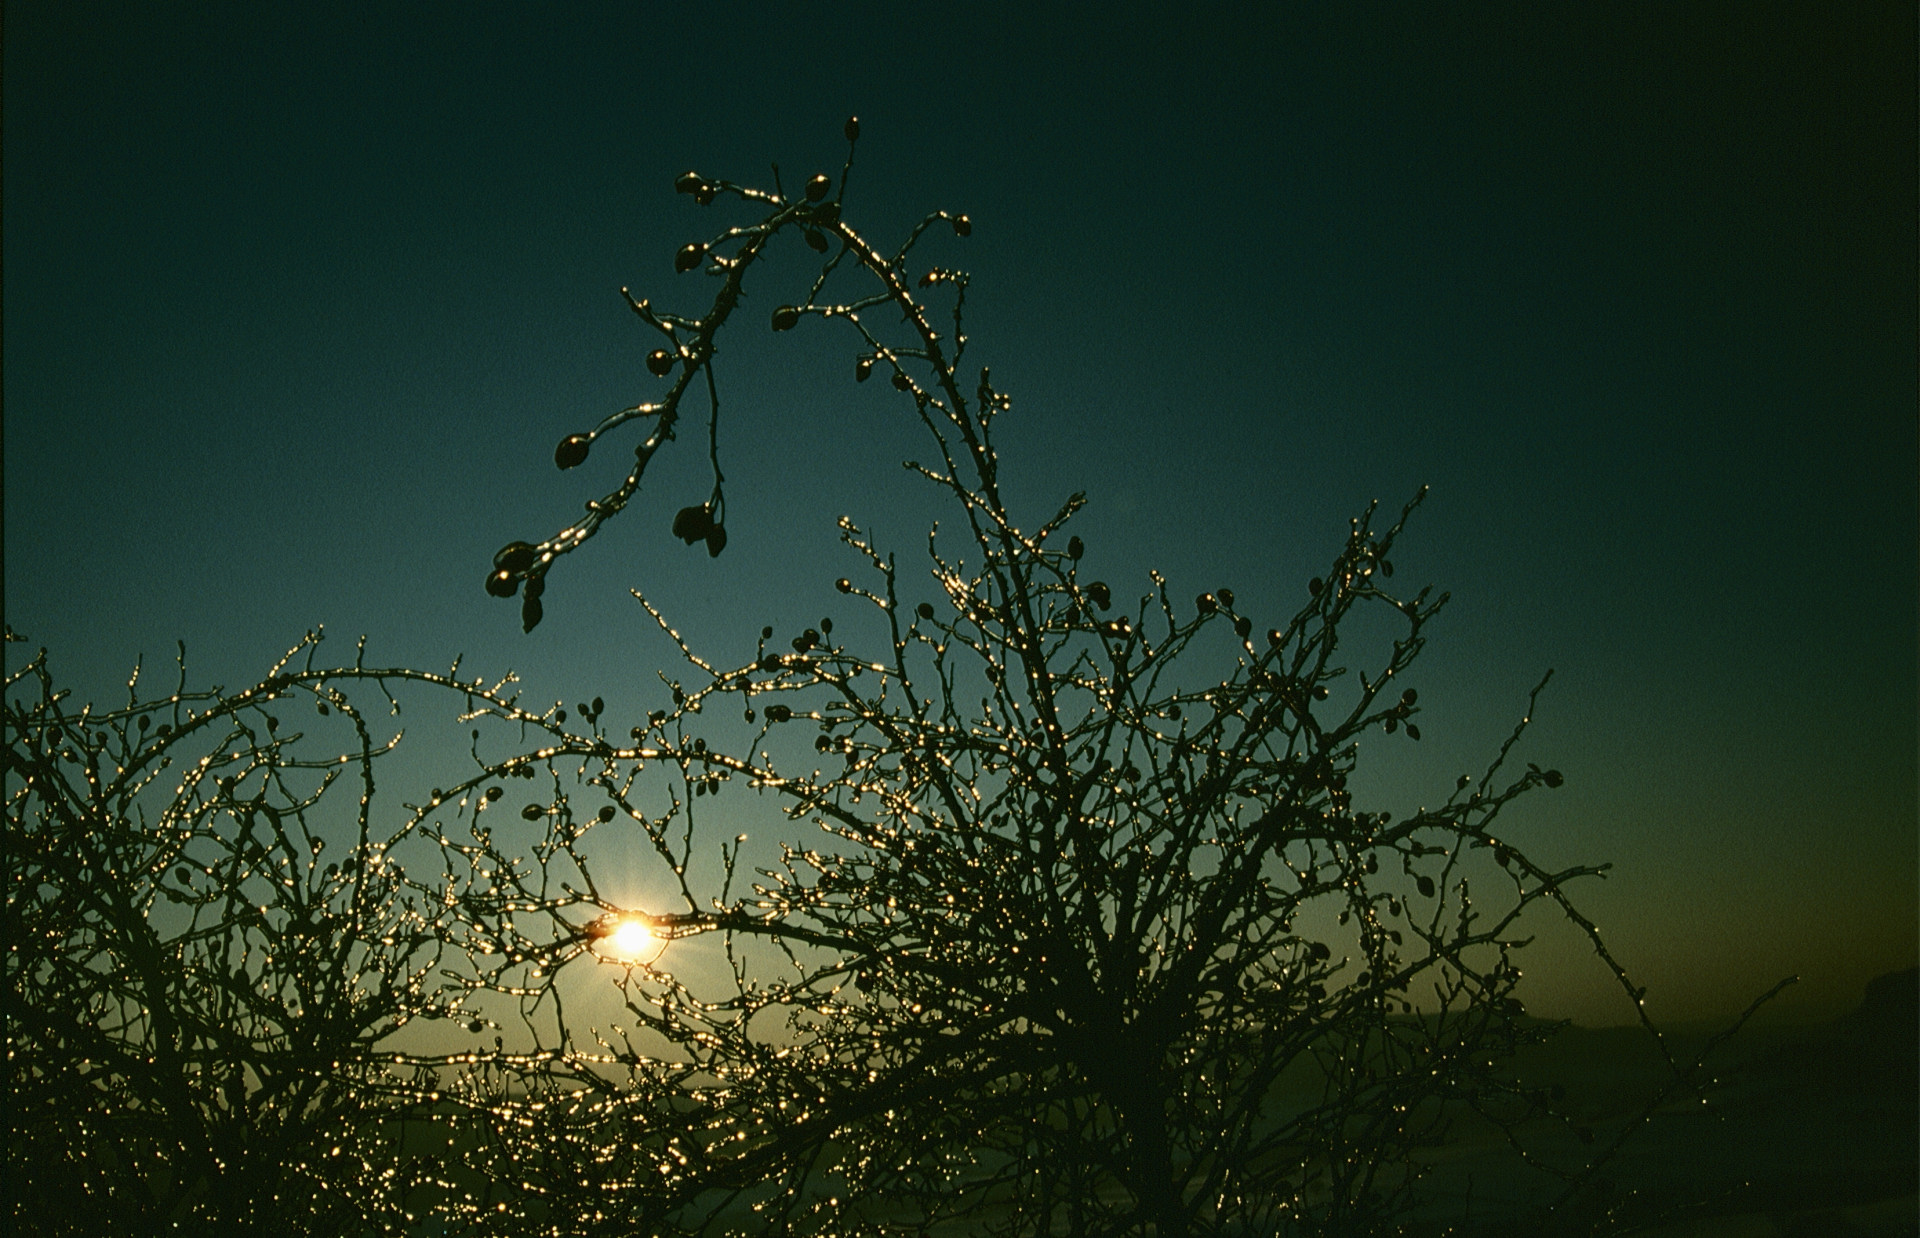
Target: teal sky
x: 297, y: 305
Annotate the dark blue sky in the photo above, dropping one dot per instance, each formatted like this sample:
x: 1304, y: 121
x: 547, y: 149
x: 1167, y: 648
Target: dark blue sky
x: 296, y: 306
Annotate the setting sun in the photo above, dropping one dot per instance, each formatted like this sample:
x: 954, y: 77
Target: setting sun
x: 628, y: 941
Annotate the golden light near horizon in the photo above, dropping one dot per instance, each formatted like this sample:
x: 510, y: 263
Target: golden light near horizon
x: 626, y: 939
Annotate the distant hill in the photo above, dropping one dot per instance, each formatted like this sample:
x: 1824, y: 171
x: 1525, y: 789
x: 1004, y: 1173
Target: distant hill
x: 1874, y: 1047
x: 1890, y: 1011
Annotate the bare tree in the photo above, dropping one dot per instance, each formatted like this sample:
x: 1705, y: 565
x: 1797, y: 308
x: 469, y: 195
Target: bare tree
x: 1093, y: 938
x: 213, y: 960
x: 1081, y: 931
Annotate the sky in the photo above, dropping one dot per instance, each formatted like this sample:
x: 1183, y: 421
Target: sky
x: 298, y: 301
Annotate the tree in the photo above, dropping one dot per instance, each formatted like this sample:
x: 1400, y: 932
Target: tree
x: 1083, y: 931
x: 1095, y: 940
x: 210, y: 956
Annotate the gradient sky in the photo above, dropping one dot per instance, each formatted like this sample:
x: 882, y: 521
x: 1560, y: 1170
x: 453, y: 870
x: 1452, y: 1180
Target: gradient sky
x: 297, y: 302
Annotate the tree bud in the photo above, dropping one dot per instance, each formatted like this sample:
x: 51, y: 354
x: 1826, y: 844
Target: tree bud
x: 690, y: 524
x: 515, y: 557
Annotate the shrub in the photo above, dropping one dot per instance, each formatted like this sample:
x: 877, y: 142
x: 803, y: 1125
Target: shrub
x: 213, y: 960
x: 1083, y: 929
x: 1091, y: 936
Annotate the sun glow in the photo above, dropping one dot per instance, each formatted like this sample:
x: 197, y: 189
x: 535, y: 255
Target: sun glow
x: 628, y: 940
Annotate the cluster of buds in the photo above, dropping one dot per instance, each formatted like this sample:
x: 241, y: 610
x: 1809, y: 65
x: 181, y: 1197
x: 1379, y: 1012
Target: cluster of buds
x: 815, y: 211
x: 697, y: 523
